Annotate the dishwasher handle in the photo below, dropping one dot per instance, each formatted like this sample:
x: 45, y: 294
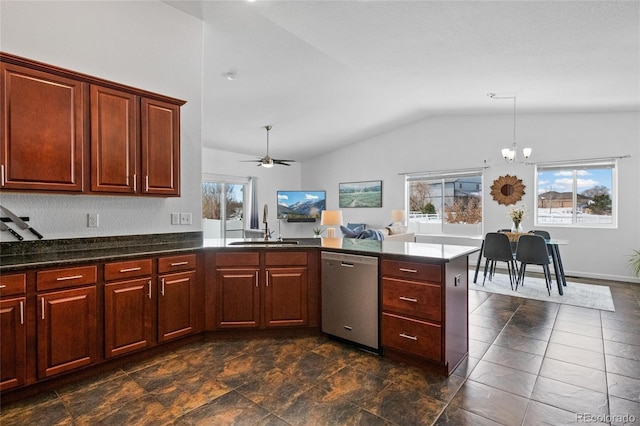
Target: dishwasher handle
x: 347, y: 264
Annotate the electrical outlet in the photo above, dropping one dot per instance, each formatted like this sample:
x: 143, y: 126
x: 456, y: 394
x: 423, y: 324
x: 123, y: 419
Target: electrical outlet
x: 92, y: 220
x: 185, y: 218
x: 175, y: 218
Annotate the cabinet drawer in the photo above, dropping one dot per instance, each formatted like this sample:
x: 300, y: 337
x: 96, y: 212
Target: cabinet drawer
x: 411, y: 298
x: 176, y: 263
x: 416, y: 337
x: 238, y: 259
x: 68, y: 277
x: 412, y: 270
x: 288, y: 258
x: 13, y: 284
x: 127, y: 269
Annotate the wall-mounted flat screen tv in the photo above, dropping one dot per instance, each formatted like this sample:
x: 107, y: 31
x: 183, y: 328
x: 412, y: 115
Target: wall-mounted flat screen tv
x: 301, y: 206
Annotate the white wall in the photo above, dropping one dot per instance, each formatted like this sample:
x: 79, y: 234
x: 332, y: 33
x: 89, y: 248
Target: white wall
x: 106, y: 39
x: 459, y: 142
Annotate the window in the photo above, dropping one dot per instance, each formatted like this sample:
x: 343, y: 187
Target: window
x: 576, y: 194
x: 224, y: 206
x: 445, y: 203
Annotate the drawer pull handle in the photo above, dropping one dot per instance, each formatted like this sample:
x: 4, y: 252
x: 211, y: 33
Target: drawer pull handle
x: 413, y: 271
x: 3, y: 286
x: 406, y: 336
x: 346, y: 327
x: 409, y: 299
x: 130, y: 269
x: 71, y: 277
x: 21, y: 312
x: 179, y: 263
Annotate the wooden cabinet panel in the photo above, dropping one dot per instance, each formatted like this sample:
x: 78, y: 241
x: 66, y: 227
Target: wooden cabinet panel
x: 128, y: 316
x: 237, y: 298
x: 13, y: 284
x: 114, y: 135
x: 67, y: 277
x: 286, y: 297
x: 412, y: 298
x: 412, y: 270
x: 176, y: 305
x: 127, y: 269
x: 66, y: 329
x: 412, y: 336
x: 42, y: 130
x: 13, y: 343
x: 288, y: 258
x: 176, y: 263
x: 160, y: 139
x: 238, y: 259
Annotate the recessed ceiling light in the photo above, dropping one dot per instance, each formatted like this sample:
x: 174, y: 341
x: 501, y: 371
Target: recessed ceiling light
x: 231, y: 75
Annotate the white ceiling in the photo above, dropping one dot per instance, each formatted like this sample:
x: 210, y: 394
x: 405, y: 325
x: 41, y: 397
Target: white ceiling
x: 330, y: 73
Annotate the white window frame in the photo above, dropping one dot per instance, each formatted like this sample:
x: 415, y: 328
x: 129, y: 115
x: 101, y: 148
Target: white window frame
x: 575, y: 166
x: 446, y: 229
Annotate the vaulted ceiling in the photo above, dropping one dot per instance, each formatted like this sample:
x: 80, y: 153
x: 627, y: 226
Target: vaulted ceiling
x: 330, y: 73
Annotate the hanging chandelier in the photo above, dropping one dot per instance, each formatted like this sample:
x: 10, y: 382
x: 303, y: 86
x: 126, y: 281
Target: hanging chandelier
x: 510, y: 154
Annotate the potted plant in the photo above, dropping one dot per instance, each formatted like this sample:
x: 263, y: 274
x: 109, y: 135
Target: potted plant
x: 634, y: 262
x: 317, y: 232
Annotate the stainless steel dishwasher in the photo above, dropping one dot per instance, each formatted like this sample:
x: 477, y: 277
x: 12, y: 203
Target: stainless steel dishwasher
x: 350, y: 298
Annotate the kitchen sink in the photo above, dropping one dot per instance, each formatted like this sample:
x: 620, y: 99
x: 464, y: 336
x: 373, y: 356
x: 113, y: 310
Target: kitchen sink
x: 258, y: 243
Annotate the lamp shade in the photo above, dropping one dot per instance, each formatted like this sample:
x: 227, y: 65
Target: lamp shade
x: 331, y: 217
x: 397, y: 215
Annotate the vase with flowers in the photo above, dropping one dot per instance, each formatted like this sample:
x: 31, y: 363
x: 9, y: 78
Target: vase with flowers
x: 517, y: 216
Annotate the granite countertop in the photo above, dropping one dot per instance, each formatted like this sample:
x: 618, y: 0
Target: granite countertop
x: 48, y: 253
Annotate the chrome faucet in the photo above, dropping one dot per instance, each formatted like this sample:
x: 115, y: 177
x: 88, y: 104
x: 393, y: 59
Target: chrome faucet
x: 265, y: 214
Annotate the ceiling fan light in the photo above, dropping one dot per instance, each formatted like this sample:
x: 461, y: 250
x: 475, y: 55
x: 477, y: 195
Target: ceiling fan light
x: 526, y: 152
x: 267, y: 165
x: 508, y: 154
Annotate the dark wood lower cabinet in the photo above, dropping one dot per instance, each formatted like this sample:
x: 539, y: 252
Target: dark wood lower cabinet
x: 238, y: 298
x: 128, y: 314
x: 286, y: 297
x: 67, y: 330
x: 176, y: 305
x: 13, y: 341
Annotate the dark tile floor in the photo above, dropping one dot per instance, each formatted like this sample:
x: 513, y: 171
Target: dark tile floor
x: 530, y: 363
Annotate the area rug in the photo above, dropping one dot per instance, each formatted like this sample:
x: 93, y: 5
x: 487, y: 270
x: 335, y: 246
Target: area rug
x: 575, y: 293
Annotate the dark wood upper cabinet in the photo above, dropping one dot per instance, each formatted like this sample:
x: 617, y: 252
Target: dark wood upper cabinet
x: 42, y: 130
x: 70, y: 132
x: 114, y: 127
x: 160, y: 140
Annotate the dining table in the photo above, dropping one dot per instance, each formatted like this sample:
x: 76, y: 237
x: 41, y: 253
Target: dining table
x: 554, y: 250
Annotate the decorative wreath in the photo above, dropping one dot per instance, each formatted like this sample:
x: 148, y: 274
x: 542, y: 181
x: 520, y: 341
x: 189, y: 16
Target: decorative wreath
x: 507, y: 190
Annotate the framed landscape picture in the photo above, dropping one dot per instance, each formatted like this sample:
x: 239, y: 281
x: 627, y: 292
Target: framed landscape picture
x: 360, y: 194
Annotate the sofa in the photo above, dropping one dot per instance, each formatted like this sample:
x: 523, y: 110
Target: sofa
x: 388, y: 233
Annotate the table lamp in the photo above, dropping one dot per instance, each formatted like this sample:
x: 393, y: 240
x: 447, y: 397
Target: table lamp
x: 331, y: 217
x: 397, y: 217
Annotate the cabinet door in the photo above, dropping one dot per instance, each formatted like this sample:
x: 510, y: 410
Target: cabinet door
x: 160, y: 138
x: 285, y: 297
x: 42, y: 130
x: 237, y: 298
x: 176, y: 309
x: 13, y: 349
x: 114, y: 115
x: 66, y: 330
x: 127, y: 316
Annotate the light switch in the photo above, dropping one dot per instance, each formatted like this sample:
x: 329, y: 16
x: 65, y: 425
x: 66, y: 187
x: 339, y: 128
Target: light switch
x: 175, y: 218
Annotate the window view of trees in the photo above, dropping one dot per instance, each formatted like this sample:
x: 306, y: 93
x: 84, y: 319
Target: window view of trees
x: 215, y: 195
x: 576, y: 195
x: 448, y: 200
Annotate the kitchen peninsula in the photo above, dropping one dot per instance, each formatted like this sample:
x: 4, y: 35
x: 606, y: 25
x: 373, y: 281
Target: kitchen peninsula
x: 123, y: 298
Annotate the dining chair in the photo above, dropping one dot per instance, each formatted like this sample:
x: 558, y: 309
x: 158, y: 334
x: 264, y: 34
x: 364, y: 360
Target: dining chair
x: 532, y: 250
x: 497, y: 248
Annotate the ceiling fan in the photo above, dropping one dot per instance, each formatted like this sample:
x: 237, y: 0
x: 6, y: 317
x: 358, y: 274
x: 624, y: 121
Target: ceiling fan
x: 267, y: 161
